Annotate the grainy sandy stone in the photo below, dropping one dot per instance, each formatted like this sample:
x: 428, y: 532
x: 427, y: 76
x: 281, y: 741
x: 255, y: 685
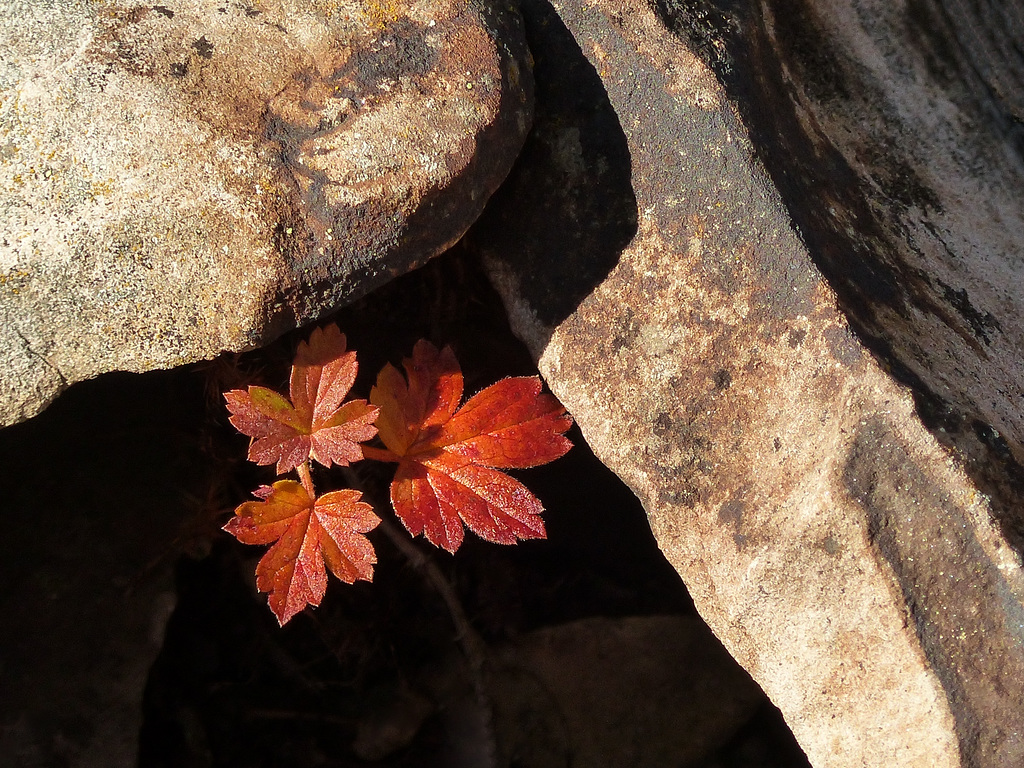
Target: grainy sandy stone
x: 188, y: 177
x: 892, y: 131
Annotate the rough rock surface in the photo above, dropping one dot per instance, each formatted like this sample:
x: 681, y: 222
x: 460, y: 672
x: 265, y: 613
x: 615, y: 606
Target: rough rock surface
x: 188, y: 177
x: 893, y: 132
x: 644, y: 691
x: 834, y: 546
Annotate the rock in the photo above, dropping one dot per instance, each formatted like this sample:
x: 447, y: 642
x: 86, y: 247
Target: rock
x: 640, y: 691
x: 97, y: 493
x: 184, y: 178
x: 381, y: 732
x: 892, y: 131
x: 644, y: 691
x: 840, y: 553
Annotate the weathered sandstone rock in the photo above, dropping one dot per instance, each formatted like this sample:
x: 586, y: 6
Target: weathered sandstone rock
x: 834, y: 546
x: 183, y: 178
x: 892, y: 131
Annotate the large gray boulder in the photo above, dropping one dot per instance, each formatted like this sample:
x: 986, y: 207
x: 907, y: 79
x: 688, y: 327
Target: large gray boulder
x: 189, y: 177
x: 859, y: 564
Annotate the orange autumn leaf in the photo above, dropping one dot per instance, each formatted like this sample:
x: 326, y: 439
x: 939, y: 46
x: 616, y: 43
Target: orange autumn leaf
x: 449, y: 457
x: 316, y: 422
x: 307, y: 535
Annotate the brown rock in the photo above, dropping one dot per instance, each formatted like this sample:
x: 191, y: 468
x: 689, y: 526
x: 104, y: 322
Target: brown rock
x: 640, y: 691
x: 643, y: 691
x: 181, y: 179
x: 839, y: 553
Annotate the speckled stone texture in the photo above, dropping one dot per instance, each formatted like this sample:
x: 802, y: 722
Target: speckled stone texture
x: 860, y: 570
x: 188, y: 177
x: 892, y: 131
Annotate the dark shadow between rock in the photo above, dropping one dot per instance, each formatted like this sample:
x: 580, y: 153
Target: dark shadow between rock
x: 97, y: 493
x: 571, y: 189
x: 375, y: 675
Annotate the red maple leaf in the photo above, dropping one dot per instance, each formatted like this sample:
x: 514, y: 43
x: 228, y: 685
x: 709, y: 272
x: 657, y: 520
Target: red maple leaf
x: 306, y: 534
x: 316, y: 423
x: 449, y: 457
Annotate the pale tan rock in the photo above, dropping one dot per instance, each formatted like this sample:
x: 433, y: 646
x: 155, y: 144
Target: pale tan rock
x: 185, y: 178
x: 828, y: 539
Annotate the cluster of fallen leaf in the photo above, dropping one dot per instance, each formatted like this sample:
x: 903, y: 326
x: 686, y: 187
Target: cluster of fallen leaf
x: 449, y: 460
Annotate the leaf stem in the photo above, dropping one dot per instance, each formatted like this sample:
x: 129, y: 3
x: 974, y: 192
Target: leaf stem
x: 306, y: 478
x: 379, y: 454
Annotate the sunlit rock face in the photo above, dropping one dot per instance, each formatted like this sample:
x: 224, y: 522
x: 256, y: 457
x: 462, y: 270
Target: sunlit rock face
x: 759, y: 336
x: 189, y: 177
x: 892, y: 132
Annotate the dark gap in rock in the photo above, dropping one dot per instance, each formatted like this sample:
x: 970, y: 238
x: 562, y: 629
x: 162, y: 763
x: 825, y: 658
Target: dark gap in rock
x: 375, y: 675
x: 571, y: 186
x: 97, y: 491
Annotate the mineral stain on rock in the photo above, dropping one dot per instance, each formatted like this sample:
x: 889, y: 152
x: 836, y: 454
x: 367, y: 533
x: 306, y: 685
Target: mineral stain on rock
x: 982, y: 324
x: 203, y: 47
x: 401, y: 50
